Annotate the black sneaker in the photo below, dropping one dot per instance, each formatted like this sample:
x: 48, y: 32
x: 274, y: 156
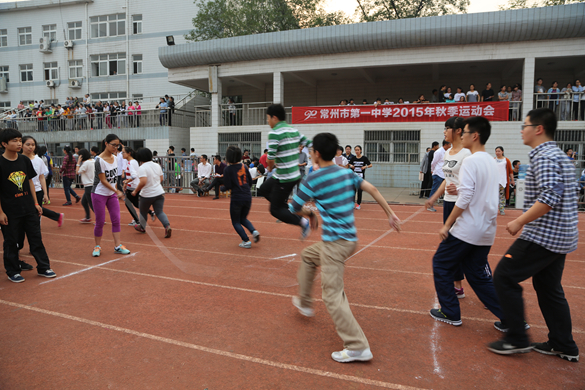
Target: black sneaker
x: 47, y: 273
x: 504, y: 327
x: 437, y: 314
x: 547, y: 349
x: 16, y: 278
x: 25, y: 266
x: 502, y: 347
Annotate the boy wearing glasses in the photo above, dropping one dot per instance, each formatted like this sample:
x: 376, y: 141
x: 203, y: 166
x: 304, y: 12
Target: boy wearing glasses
x: 550, y: 232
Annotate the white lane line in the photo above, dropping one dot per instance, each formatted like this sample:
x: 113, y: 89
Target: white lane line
x: 434, y: 344
x: 88, y: 268
x: 231, y: 355
x: 285, y: 256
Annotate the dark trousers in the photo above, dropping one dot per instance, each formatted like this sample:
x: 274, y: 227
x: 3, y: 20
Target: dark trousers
x: 359, y: 193
x: 239, y: 214
x: 86, y: 200
x: 131, y: 202
x: 454, y: 253
x: 157, y: 204
x: 67, y: 188
x: 425, y: 186
x: 277, y: 194
x: 46, y: 212
x: 447, y: 209
x: 215, y: 184
x: 48, y: 180
x: 523, y: 260
x: 437, y: 180
x: 31, y: 226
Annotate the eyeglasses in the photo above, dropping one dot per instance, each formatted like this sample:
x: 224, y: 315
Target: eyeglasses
x: 524, y: 126
x: 114, y: 145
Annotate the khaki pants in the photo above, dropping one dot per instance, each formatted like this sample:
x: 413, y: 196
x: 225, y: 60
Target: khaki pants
x: 331, y: 257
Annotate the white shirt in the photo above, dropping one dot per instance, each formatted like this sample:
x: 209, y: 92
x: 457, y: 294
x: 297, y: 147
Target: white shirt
x: 131, y: 171
x: 437, y: 164
x: 111, y: 172
x: 479, y: 197
x: 472, y: 96
x: 204, y: 170
x: 121, y: 163
x: 451, y: 168
x: 87, y: 172
x: 502, y: 176
x: 152, y: 171
x: 40, y: 169
x: 458, y: 96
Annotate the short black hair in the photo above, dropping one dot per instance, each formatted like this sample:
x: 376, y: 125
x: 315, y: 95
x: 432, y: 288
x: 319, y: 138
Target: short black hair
x: 204, y: 156
x: 183, y: 149
x: 233, y: 154
x: 276, y: 110
x: 192, y: 149
x: 172, y: 148
x: 9, y: 134
x: 95, y: 149
x: 515, y: 162
x: 84, y: 154
x: 326, y: 144
x: 546, y: 118
x: 143, y: 155
x: 435, y: 143
x: 348, y: 146
x: 480, y: 125
x: 265, y: 150
x: 445, y: 142
x: 455, y: 122
x: 567, y: 150
x: 340, y: 148
x: 217, y: 157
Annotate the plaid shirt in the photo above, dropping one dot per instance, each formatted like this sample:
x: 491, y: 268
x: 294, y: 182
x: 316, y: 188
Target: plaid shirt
x: 550, y: 179
x: 68, y: 167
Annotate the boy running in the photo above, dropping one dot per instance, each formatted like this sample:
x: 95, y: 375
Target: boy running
x: 333, y: 188
x: 550, y: 232
x: 283, y: 154
x: 19, y: 209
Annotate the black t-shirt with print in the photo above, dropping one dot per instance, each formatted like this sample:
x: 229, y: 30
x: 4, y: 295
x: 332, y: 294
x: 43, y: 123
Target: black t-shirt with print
x: 488, y: 95
x: 359, y: 164
x: 15, y: 193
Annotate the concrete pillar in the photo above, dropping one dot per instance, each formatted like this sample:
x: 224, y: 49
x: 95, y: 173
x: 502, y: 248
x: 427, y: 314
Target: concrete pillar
x: 278, y: 89
x: 528, y: 76
x: 216, y: 96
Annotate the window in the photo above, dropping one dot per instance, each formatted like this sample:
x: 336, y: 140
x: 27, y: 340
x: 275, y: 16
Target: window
x: 51, y: 71
x: 136, y: 24
x: 4, y: 106
x: 107, y: 25
x: 107, y: 96
x: 26, y: 73
x: 50, y: 32
x: 395, y: 146
x: 137, y: 63
x: 3, y: 37
x: 250, y: 141
x: 25, y: 36
x: 74, y: 30
x: 75, y: 69
x: 108, y: 64
x: 4, y: 73
x: 574, y: 139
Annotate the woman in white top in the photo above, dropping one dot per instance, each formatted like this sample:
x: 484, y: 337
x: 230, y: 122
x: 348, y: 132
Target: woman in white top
x: 151, y: 191
x: 452, y: 164
x: 459, y: 96
x: 29, y: 149
x: 472, y: 94
x: 505, y: 176
x: 86, y: 168
x: 130, y: 184
x: 105, y: 194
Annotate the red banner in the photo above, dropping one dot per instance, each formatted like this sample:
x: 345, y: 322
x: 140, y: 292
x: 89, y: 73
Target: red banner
x: 427, y: 112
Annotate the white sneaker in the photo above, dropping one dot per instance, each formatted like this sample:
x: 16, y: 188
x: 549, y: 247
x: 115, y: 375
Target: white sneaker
x: 256, y: 236
x: 347, y: 356
x: 358, y: 207
x: 306, y: 311
x: 132, y: 223
x: 245, y: 244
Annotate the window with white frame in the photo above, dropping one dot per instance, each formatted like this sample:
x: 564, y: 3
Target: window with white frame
x: 51, y: 71
x: 26, y: 73
x: 24, y: 36
x: 3, y: 37
x: 50, y: 32
x: 136, y: 24
x: 74, y: 30
x: 4, y: 73
x: 75, y: 69
x: 251, y: 141
x: 137, y: 63
x: 108, y: 64
x: 4, y: 106
x: 107, y: 25
x: 395, y: 146
x: 107, y: 96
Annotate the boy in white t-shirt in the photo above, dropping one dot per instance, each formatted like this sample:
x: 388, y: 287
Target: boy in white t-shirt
x: 469, y: 232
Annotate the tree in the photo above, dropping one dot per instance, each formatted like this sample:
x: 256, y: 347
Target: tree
x: 519, y: 4
x: 376, y: 10
x: 230, y: 18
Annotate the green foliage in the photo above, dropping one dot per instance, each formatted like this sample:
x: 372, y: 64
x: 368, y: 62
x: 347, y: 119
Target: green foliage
x: 519, y: 4
x: 375, y: 10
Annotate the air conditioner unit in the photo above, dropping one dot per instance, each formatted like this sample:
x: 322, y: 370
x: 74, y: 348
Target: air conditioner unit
x: 74, y: 84
x: 50, y: 84
x: 68, y: 44
x: 45, y: 45
x: 3, y: 85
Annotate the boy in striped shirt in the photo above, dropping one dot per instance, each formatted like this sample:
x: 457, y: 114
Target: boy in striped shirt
x: 283, y: 161
x: 333, y: 188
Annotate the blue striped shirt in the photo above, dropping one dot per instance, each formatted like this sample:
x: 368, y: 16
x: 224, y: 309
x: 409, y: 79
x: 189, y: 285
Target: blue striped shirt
x: 550, y: 179
x: 333, y: 189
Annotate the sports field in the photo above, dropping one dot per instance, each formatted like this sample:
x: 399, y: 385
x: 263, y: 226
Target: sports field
x: 197, y: 312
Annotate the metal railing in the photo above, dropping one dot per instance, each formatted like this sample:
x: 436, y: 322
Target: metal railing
x: 567, y: 105
x: 244, y: 114
x: 203, y: 116
x: 96, y: 120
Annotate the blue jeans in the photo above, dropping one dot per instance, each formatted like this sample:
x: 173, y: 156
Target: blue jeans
x: 454, y: 253
x: 437, y: 180
x: 67, y: 188
x: 239, y: 215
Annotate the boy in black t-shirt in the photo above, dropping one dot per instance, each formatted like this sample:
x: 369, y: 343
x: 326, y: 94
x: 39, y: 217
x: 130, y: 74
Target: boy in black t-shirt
x: 19, y: 210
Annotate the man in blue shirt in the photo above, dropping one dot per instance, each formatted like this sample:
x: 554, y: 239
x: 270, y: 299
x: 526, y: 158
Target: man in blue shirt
x: 333, y: 188
x: 163, y: 105
x: 550, y: 232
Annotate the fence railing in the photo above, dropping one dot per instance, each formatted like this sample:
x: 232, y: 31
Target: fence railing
x: 567, y: 105
x: 96, y: 120
x: 203, y: 116
x: 244, y: 114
